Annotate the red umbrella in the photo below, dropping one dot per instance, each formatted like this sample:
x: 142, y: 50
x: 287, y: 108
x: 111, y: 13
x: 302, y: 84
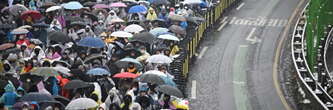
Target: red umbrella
x: 32, y: 13
x: 6, y: 46
x: 125, y: 75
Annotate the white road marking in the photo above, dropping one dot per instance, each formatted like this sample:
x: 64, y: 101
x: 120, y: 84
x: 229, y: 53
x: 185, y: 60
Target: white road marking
x: 240, y: 6
x: 224, y: 19
x: 239, y: 82
x: 194, y: 89
x: 251, y: 38
x: 259, y: 21
x: 202, y: 53
x: 222, y: 26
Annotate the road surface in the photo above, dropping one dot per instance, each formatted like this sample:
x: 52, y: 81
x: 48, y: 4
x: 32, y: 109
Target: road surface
x: 234, y: 67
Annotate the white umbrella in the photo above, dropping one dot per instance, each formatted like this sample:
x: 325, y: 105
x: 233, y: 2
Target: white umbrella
x: 192, y: 2
x: 63, y: 70
x: 117, y: 20
x: 81, y: 103
x: 156, y: 72
x: 168, y: 37
x: 53, y: 8
x: 160, y: 58
x: 122, y: 34
x: 134, y: 28
x: 20, y: 31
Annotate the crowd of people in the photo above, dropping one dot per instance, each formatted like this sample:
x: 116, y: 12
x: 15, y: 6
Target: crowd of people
x: 103, y: 54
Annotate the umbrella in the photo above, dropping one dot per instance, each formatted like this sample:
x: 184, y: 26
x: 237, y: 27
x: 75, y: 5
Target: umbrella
x: 92, y: 58
x: 156, y: 72
x: 45, y: 71
x: 38, y: 97
x: 58, y: 36
x: 41, y: 25
x: 192, y: 1
x: 177, y: 29
x: 25, y: 27
x: 32, y: 13
x: 89, y: 4
x: 53, y: 8
x: 101, y: 6
x: 48, y: 4
x: 81, y: 104
x: 158, y: 30
x: 117, y: 5
x: 123, y: 63
x: 125, y: 75
x: 160, y: 59
x: 36, y: 41
x: 61, y: 99
x: 168, y: 37
x: 75, y: 84
x: 160, y: 2
x: 97, y: 10
x: 17, y: 9
x: 151, y: 78
x: 98, y: 71
x: 117, y: 20
x: 134, y: 28
x: 122, y: 34
x: 93, y: 42
x: 63, y: 70
x: 176, y: 17
x: 195, y: 20
x: 6, y: 46
x: 4, y: 9
x: 144, y: 37
x: 61, y: 62
x: 170, y: 90
x: 78, y: 23
x: 91, y: 16
x: 137, y: 9
x: 20, y: 31
x: 73, y: 5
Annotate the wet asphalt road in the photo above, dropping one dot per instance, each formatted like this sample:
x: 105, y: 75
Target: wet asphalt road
x: 235, y: 73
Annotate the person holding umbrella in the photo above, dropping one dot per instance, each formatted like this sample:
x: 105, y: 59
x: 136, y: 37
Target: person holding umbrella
x: 9, y: 97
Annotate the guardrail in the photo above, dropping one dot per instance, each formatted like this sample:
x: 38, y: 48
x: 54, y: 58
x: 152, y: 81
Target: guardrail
x: 311, y: 91
x: 181, y: 65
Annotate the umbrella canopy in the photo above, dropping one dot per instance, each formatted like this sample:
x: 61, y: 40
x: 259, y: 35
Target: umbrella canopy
x: 160, y: 59
x: 123, y: 63
x: 45, y: 71
x: 192, y: 1
x: 73, y: 5
x: 151, y: 78
x: 195, y: 20
x: 177, y: 29
x: 101, y: 6
x: 48, y: 4
x: 156, y: 72
x: 81, y: 104
x: 176, y: 17
x: 58, y: 36
x: 89, y: 4
x: 134, y: 28
x: 98, y: 71
x: 93, y: 42
x: 144, y: 37
x: 63, y: 70
x: 168, y: 37
x: 122, y: 34
x: 170, y: 90
x: 125, y: 75
x: 36, y: 41
x: 25, y: 27
x: 117, y: 5
x: 6, y: 46
x: 53, y: 8
x: 160, y: 2
x: 61, y: 99
x: 137, y: 9
x: 157, y: 31
x: 41, y: 25
x: 75, y: 84
x: 92, y: 58
x: 32, y: 13
x: 91, y: 16
x: 117, y: 20
x: 20, y: 31
x: 78, y: 23
x: 38, y: 97
x: 17, y: 9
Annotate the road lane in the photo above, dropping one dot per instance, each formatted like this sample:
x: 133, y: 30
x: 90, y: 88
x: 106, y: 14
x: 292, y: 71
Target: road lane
x: 214, y: 72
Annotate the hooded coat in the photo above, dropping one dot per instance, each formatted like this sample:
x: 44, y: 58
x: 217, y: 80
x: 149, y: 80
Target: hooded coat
x: 40, y: 55
x: 151, y: 15
x: 9, y: 97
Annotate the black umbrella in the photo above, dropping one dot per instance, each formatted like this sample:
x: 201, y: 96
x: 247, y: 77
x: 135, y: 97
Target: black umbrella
x: 41, y: 25
x: 38, y: 97
x: 48, y: 4
x: 170, y: 90
x: 144, y: 37
x: 177, y: 29
x: 195, y: 20
x: 61, y: 99
x: 58, y: 36
x: 75, y: 84
x: 89, y: 4
x: 91, y: 16
x: 160, y: 2
x: 151, y: 78
x: 92, y: 58
x: 78, y: 23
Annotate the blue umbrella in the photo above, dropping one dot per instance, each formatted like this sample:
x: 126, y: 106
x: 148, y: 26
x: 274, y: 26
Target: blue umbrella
x: 98, y: 71
x: 137, y: 9
x: 73, y: 5
x: 159, y: 30
x: 92, y: 42
x: 123, y: 63
x: 168, y: 81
